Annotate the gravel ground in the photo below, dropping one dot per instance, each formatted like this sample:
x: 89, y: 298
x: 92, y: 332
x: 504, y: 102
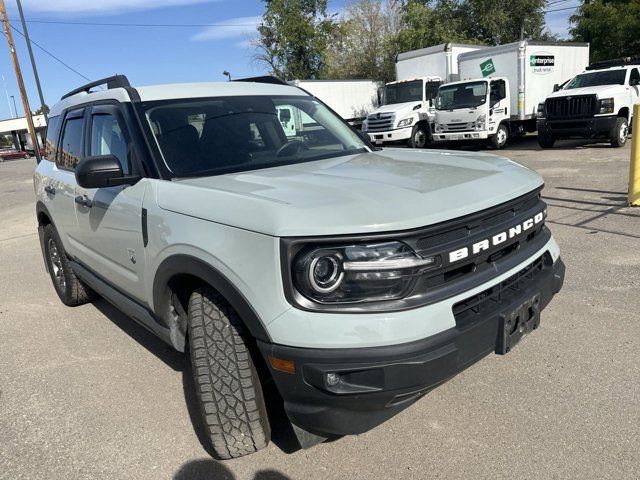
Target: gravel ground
x: 87, y: 394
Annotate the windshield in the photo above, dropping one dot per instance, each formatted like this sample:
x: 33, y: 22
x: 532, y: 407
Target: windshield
x: 210, y: 136
x: 461, y: 95
x: 403, y: 92
x: 593, y: 79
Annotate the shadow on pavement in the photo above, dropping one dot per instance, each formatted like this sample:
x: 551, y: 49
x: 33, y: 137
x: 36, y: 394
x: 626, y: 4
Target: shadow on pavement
x: 213, y: 470
x: 282, y: 434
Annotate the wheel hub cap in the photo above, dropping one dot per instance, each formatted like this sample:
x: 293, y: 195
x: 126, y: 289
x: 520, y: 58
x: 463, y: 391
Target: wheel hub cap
x: 419, y: 138
x: 56, y: 263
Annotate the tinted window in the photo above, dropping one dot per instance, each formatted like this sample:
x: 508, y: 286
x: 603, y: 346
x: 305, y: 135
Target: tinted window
x: 461, y: 95
x: 594, y: 79
x: 71, y: 147
x: 403, y: 92
x: 634, y: 78
x: 219, y: 135
x: 52, y: 138
x: 107, y: 138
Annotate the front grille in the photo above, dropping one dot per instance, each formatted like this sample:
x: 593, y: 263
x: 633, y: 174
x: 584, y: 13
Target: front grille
x: 578, y: 106
x: 494, y: 298
x: 380, y: 122
x: 457, y: 127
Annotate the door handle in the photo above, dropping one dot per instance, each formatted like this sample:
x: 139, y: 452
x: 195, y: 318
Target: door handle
x: 50, y: 190
x: 84, y: 201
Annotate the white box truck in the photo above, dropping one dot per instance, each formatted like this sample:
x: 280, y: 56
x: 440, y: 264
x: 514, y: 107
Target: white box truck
x: 407, y: 111
x: 351, y: 99
x: 501, y: 88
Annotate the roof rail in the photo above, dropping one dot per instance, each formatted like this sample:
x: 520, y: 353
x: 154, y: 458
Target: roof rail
x: 616, y: 62
x: 263, y: 79
x: 116, y: 81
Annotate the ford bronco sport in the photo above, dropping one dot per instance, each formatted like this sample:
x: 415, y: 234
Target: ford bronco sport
x: 355, y: 279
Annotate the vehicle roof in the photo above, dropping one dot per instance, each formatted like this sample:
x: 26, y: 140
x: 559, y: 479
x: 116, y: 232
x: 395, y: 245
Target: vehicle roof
x: 179, y: 91
x: 614, y: 67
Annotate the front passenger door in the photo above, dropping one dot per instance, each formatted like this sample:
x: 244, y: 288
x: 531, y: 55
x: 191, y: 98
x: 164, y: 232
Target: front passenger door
x: 110, y: 219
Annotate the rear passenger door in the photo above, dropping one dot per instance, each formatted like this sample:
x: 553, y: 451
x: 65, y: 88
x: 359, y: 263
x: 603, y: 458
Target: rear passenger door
x: 109, y: 230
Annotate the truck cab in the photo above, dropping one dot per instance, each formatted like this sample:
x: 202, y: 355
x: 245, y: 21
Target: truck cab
x: 473, y: 110
x: 406, y: 113
x: 597, y: 103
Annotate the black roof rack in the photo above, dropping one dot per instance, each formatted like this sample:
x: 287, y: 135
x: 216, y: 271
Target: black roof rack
x: 263, y: 79
x: 616, y: 62
x: 116, y: 81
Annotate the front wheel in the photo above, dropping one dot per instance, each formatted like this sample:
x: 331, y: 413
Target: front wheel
x: 499, y: 140
x: 226, y: 380
x: 619, y: 132
x: 420, y: 136
x: 545, y: 140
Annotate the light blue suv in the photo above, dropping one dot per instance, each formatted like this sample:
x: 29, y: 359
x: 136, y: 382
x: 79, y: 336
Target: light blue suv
x: 247, y: 224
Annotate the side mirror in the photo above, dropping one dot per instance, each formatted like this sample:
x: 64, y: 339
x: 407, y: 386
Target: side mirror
x: 285, y: 115
x: 102, y: 171
x: 634, y: 82
x: 556, y: 87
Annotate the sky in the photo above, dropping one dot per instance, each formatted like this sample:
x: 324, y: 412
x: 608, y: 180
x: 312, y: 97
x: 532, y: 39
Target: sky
x: 216, y: 38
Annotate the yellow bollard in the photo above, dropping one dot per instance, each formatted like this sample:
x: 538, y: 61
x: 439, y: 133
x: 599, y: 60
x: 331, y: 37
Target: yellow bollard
x: 634, y: 168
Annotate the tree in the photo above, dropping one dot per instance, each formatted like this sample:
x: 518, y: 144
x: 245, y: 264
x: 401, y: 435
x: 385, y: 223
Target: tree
x: 611, y: 26
x: 364, y: 46
x: 293, y: 38
x: 46, y: 110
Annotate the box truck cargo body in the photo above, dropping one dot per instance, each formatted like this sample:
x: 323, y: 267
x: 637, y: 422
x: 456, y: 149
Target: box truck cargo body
x: 407, y: 111
x: 512, y: 80
x: 351, y: 99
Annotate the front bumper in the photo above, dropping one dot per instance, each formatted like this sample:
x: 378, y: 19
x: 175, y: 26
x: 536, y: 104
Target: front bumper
x: 577, y: 127
x: 396, y: 135
x: 376, y: 383
x: 455, y: 136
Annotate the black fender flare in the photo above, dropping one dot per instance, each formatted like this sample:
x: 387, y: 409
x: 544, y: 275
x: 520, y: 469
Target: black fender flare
x: 186, y: 264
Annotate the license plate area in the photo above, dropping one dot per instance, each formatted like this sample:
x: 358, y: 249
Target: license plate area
x: 516, y: 323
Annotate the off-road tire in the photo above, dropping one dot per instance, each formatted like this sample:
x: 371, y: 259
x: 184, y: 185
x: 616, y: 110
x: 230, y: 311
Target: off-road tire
x: 501, y: 137
x: 619, y: 133
x: 546, y: 140
x: 420, y: 136
x: 226, y: 381
x: 70, y: 289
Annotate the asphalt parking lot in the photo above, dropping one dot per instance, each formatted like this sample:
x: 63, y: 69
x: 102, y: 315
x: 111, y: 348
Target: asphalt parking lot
x: 87, y: 394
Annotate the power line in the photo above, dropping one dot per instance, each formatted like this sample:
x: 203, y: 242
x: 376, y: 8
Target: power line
x: 163, y: 25
x: 53, y: 56
x: 561, y: 9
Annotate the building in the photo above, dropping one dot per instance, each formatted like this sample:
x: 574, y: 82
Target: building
x: 19, y: 131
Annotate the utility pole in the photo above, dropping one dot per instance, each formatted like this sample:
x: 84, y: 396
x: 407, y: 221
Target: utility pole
x: 23, y: 91
x: 33, y: 61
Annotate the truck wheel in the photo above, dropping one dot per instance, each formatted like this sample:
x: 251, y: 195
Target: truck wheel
x: 619, y: 133
x: 226, y: 380
x: 499, y: 140
x: 420, y: 136
x: 69, y: 288
x: 545, y: 140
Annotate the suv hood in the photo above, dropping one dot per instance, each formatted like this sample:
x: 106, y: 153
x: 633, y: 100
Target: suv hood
x: 389, y: 190
x: 602, y: 91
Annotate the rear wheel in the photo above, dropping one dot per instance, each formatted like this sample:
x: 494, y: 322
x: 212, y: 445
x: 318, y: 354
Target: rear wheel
x: 227, y: 383
x: 499, y: 140
x: 545, y: 140
x: 420, y: 136
x: 619, y: 132
x: 69, y: 288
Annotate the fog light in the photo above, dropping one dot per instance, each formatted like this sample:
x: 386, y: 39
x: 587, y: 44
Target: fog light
x: 333, y: 379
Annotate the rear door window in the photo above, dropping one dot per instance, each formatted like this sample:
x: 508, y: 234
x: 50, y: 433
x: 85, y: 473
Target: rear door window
x: 70, y: 152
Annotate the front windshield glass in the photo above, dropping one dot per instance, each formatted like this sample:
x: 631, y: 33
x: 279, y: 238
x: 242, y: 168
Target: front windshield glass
x: 461, y: 95
x: 211, y: 136
x: 594, y: 79
x: 403, y: 92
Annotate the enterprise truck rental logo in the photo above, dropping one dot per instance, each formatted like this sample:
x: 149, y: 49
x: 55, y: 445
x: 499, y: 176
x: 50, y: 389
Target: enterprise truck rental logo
x: 487, y: 68
x: 542, y: 63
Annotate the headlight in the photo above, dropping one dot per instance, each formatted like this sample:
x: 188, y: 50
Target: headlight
x: 358, y: 273
x: 365, y: 124
x: 481, y: 122
x: 405, y: 123
x: 540, y: 110
x: 438, y: 127
x: 606, y: 105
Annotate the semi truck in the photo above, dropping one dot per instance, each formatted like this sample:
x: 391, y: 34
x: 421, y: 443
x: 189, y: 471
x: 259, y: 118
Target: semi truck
x: 351, y: 99
x: 501, y: 89
x: 407, y: 110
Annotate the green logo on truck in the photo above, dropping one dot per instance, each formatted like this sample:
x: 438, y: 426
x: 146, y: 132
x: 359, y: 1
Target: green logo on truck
x: 487, y: 68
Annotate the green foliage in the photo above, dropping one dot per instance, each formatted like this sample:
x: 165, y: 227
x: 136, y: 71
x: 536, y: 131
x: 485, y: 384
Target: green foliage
x: 364, y: 46
x: 46, y: 110
x: 293, y: 37
x: 611, y: 26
